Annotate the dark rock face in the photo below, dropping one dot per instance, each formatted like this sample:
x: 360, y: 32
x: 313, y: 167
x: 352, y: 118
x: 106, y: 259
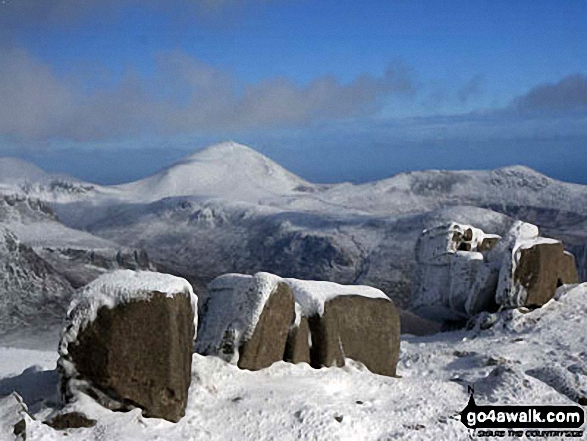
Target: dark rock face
x: 268, y: 342
x: 20, y: 429
x: 362, y: 328
x: 297, y: 349
x: 542, y: 269
x: 138, y: 354
x: 487, y: 244
x: 72, y: 420
x: 80, y: 267
x: 31, y: 290
x: 415, y: 325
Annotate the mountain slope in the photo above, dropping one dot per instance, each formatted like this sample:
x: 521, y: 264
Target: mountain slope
x: 230, y: 209
x: 31, y: 291
x: 14, y: 169
x: 502, y: 189
x: 227, y: 170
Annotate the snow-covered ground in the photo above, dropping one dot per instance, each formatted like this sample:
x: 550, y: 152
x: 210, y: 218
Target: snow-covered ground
x: 536, y: 357
x: 229, y: 209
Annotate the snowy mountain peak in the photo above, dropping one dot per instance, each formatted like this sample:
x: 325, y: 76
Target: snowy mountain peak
x: 519, y: 170
x: 15, y: 169
x: 223, y: 150
x: 227, y: 170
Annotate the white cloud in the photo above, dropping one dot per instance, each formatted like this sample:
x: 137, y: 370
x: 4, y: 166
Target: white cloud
x: 184, y: 96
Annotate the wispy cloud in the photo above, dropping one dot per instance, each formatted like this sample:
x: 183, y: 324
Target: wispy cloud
x: 470, y: 89
x: 21, y: 12
x: 569, y: 94
x: 184, y: 96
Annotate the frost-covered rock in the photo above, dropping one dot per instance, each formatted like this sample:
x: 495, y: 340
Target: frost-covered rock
x: 532, y: 267
x: 454, y: 278
x: 31, y: 290
x: 346, y: 321
x: 463, y: 271
x: 331, y: 322
x: 246, y: 320
x: 128, y: 343
x: 436, y: 245
x: 14, y: 418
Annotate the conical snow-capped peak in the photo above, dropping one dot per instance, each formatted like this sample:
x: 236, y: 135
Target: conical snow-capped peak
x: 223, y: 150
x: 227, y: 170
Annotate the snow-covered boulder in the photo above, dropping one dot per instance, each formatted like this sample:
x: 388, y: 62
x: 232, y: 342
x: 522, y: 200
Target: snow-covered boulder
x: 331, y: 322
x: 128, y: 343
x: 346, y: 321
x: 246, y: 320
x: 454, y: 279
x: 532, y: 267
x: 357, y: 327
x: 462, y: 270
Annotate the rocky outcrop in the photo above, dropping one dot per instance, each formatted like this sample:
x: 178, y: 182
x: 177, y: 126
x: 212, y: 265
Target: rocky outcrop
x: 268, y: 341
x: 453, y: 280
x: 31, y: 290
x: 542, y: 268
x: 14, y: 417
x: 246, y: 320
x: 331, y: 322
x: 128, y: 343
x: 463, y: 271
x: 361, y: 328
x: 297, y: 349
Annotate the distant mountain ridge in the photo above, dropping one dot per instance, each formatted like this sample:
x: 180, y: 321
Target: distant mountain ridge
x: 228, y: 208
x: 235, y: 172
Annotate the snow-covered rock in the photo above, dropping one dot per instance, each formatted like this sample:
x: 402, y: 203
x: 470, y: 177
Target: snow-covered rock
x: 365, y: 329
x: 453, y: 279
x: 246, y: 320
x: 312, y: 295
x: 31, y: 291
x: 462, y: 271
x: 292, y: 402
x: 128, y: 342
x: 332, y: 322
x: 532, y: 267
x: 14, y: 418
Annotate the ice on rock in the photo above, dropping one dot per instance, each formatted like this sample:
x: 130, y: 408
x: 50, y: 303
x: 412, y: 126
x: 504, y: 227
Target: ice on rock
x: 463, y: 271
x: 452, y: 274
x: 118, y: 287
x: 114, y: 326
x: 230, y: 316
x: 328, y: 322
x: 311, y: 295
x: 14, y: 418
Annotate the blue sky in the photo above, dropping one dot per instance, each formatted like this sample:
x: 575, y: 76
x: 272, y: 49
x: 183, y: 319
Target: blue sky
x: 333, y: 90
